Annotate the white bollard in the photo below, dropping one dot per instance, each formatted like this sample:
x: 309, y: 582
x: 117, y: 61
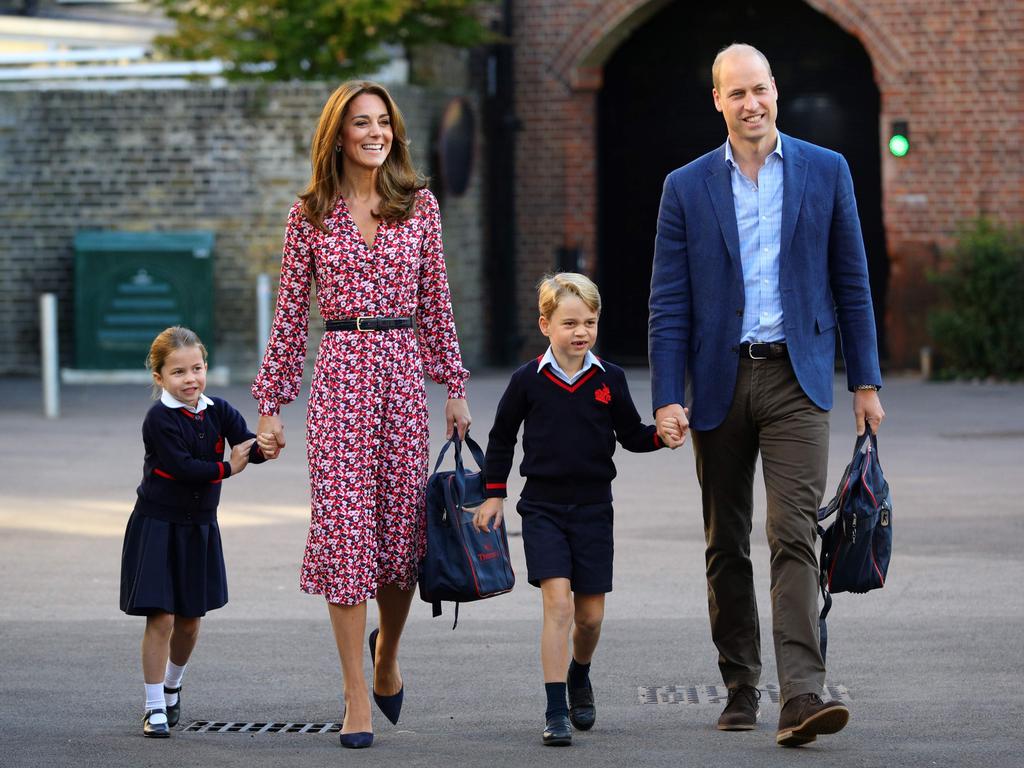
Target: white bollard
x: 263, y: 311
x: 49, y: 357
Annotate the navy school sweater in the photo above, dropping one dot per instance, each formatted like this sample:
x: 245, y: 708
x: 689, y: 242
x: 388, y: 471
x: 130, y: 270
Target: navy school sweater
x: 184, y: 462
x: 569, y: 434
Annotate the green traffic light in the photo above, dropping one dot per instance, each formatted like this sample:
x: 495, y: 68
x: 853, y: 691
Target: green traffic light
x: 899, y: 145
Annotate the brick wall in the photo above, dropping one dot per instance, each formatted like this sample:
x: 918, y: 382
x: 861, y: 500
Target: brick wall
x: 231, y: 160
x: 952, y: 69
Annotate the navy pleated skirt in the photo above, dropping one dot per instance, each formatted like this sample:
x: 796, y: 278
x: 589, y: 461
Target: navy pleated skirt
x: 172, y: 567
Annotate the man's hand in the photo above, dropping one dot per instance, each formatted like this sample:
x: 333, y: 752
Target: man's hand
x: 490, y: 510
x: 270, y: 433
x: 867, y: 408
x: 673, y: 423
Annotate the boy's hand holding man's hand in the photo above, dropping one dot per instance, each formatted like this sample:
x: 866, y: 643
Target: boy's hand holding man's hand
x: 673, y: 423
x: 490, y: 510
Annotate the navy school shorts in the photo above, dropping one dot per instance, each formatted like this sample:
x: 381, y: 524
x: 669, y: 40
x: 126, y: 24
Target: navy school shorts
x: 571, y: 541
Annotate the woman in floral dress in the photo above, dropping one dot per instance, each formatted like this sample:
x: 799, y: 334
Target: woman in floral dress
x: 369, y: 232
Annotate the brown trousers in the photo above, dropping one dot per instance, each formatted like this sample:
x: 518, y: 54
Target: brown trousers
x: 771, y: 416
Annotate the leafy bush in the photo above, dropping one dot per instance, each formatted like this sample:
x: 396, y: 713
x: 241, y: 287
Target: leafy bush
x: 980, y: 332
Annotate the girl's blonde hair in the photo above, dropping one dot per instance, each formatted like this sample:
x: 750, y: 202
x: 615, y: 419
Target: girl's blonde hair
x: 553, y: 288
x: 167, y: 341
x: 397, y: 180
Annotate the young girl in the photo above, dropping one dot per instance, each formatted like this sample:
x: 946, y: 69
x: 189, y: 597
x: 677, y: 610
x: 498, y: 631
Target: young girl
x: 172, y: 565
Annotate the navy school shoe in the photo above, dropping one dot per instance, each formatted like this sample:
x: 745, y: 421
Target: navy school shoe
x: 391, y: 706
x: 557, y: 732
x: 173, y: 710
x: 154, y: 724
x: 582, y: 711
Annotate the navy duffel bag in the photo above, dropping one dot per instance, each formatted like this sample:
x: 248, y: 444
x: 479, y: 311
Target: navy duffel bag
x: 857, y: 547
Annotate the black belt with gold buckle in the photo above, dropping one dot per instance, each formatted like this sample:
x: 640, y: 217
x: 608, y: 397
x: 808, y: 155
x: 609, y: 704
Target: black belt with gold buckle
x: 369, y: 324
x: 764, y: 350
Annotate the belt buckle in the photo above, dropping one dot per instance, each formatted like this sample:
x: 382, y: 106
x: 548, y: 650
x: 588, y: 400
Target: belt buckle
x: 359, y: 324
x: 765, y: 344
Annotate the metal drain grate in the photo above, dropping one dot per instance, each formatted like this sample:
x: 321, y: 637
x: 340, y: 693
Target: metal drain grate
x: 719, y: 694
x: 208, y: 726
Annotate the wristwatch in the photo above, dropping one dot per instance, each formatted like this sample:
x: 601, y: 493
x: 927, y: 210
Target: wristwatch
x: 867, y: 387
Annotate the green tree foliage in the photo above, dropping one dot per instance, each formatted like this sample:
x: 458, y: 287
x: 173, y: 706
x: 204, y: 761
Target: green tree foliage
x: 312, y: 39
x: 980, y: 333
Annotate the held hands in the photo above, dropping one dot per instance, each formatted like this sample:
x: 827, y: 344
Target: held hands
x: 673, y: 423
x: 456, y: 417
x: 270, y: 436
x: 240, y: 456
x: 268, y: 445
x: 867, y: 407
x: 490, y: 510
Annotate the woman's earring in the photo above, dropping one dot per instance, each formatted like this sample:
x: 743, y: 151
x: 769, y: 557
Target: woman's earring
x: 337, y: 147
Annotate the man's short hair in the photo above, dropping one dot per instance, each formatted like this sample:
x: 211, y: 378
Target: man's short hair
x: 716, y: 68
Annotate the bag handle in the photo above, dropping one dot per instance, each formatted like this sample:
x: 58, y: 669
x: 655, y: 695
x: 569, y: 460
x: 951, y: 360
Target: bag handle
x: 460, y: 469
x: 474, y: 448
x: 868, y: 442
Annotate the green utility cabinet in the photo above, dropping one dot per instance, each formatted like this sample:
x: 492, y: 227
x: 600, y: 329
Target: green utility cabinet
x: 129, y: 286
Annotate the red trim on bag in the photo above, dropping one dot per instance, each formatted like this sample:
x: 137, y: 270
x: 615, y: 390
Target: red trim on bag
x: 575, y: 386
x: 864, y: 481
x: 161, y: 473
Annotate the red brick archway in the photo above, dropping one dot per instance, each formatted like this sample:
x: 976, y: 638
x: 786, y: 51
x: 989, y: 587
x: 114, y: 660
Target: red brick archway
x: 927, y: 61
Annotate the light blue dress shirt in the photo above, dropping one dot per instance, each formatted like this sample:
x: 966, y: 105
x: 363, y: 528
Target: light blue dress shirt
x: 759, y: 221
x: 549, y: 359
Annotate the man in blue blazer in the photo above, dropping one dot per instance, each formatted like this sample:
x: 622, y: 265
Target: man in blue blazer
x: 758, y: 257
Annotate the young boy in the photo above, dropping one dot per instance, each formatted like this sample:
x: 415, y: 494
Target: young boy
x: 574, y: 407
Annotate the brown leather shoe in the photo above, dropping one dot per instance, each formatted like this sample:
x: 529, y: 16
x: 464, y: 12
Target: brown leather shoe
x: 803, y: 718
x: 740, y: 713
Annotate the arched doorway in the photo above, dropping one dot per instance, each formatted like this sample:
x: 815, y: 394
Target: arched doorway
x: 655, y: 113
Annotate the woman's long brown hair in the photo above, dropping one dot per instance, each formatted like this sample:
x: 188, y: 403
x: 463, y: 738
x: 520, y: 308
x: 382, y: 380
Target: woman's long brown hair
x: 397, y: 180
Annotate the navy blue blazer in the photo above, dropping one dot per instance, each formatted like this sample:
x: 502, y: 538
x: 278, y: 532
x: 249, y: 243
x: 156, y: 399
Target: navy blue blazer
x: 696, y: 308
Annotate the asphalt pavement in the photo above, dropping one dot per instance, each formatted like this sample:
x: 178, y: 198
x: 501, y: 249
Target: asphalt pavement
x: 931, y: 666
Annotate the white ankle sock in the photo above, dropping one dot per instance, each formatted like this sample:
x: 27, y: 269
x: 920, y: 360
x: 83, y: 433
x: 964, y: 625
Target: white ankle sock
x: 155, y: 696
x: 172, y: 679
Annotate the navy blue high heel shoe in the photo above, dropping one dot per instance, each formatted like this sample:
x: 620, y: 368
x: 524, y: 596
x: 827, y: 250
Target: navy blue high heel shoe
x: 358, y: 740
x: 391, y: 706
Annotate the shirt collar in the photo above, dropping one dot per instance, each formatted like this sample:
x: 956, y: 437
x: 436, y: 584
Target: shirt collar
x: 172, y: 402
x: 777, y: 151
x: 549, y: 359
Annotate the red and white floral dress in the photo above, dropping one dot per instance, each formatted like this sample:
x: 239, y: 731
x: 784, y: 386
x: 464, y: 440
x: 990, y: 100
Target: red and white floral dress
x: 366, y: 426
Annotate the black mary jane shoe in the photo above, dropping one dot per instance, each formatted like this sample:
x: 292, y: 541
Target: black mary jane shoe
x: 153, y: 730
x: 391, y: 706
x: 557, y: 732
x: 173, y: 710
x: 582, y: 711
